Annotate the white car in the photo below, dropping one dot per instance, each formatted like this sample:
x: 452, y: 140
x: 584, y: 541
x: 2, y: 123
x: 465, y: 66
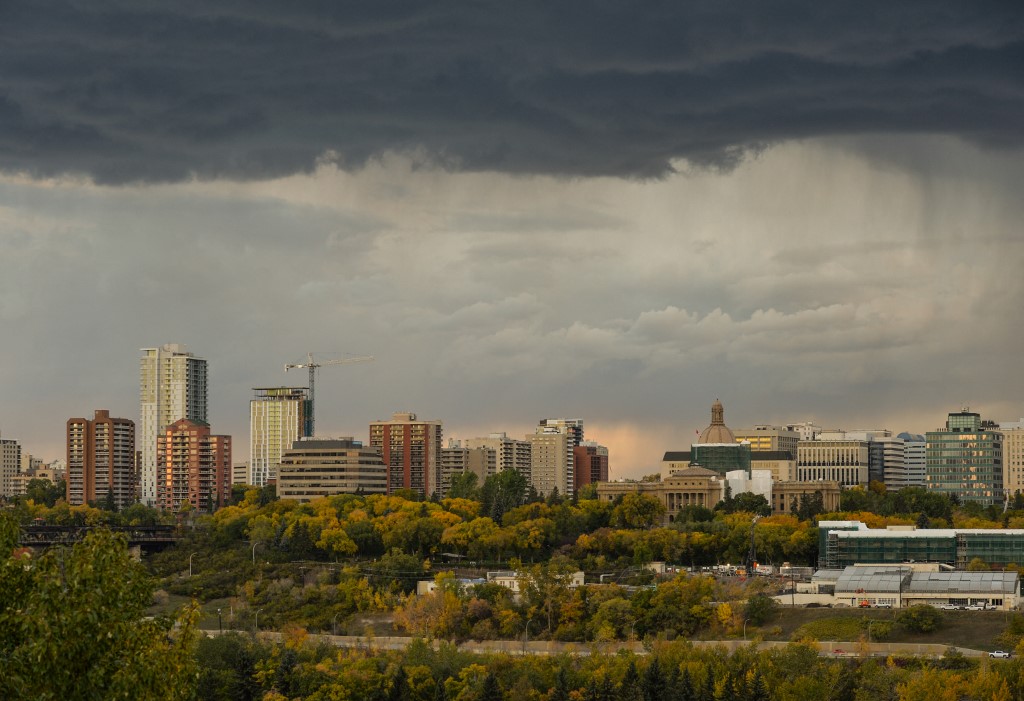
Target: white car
x: 1001, y: 654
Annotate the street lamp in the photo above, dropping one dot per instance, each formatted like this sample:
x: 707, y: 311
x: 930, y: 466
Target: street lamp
x: 745, y: 629
x: 256, y: 625
x: 334, y: 624
x: 254, y: 552
x: 526, y: 634
x: 631, y: 626
x: 220, y: 621
x: 190, y: 564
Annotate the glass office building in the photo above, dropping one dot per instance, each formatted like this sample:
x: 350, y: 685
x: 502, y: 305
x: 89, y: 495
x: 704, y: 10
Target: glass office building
x: 966, y: 460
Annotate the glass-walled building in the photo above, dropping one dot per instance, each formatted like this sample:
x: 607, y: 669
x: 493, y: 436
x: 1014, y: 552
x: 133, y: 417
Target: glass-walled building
x: 966, y: 459
x: 846, y: 543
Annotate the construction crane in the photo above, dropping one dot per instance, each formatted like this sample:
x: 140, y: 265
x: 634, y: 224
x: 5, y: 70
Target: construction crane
x: 313, y: 366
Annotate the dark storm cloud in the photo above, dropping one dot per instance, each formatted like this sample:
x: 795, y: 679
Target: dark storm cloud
x: 143, y: 91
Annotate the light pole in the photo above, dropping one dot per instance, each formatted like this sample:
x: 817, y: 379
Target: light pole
x: 256, y: 625
x: 254, y: 552
x: 334, y: 624
x: 220, y: 621
x: 526, y: 634
x: 190, y: 564
x: 745, y: 629
x: 631, y: 626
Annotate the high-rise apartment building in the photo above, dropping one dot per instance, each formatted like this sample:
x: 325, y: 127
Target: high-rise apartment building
x: 966, y: 459
x: 278, y: 416
x: 1013, y: 457
x: 510, y: 453
x: 10, y: 463
x: 457, y: 458
x: 590, y: 464
x: 549, y: 462
x: 411, y: 449
x: 101, y: 460
x: 172, y: 384
x: 194, y: 466
x: 572, y: 429
x: 323, y: 467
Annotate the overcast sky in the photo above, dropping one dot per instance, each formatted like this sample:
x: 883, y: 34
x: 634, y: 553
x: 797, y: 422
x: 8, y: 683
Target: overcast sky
x: 600, y: 210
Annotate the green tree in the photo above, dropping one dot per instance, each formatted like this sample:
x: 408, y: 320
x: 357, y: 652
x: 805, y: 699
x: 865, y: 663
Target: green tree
x: 72, y: 626
x: 464, y: 485
x: 920, y: 619
x: 502, y: 492
x: 638, y: 511
x: 761, y: 608
x: 45, y: 492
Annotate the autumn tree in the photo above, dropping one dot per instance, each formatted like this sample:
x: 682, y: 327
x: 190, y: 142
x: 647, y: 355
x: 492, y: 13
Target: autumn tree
x: 72, y: 626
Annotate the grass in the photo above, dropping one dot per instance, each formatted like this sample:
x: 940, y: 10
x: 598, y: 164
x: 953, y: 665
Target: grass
x: 970, y: 629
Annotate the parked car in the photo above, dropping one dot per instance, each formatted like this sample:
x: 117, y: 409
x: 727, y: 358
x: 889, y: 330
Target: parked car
x: 1001, y: 654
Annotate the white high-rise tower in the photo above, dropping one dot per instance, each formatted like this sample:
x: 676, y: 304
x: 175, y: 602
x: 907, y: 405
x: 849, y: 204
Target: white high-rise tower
x: 172, y: 384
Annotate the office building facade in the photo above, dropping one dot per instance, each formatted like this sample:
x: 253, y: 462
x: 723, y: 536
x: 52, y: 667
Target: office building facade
x: 172, y: 384
x: 278, y: 416
x: 322, y: 467
x: 833, y: 457
x: 966, y: 459
x: 411, y: 449
x: 764, y: 438
x: 194, y: 467
x: 101, y: 461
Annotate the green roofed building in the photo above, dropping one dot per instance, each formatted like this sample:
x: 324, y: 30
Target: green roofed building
x: 845, y: 543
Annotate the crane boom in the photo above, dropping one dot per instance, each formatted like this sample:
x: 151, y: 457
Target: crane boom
x: 313, y: 366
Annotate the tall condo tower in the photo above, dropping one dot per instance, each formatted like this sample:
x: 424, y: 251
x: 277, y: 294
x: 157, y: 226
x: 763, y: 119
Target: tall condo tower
x: 548, y: 470
x: 172, y: 386
x: 411, y: 449
x: 101, y: 460
x: 278, y: 416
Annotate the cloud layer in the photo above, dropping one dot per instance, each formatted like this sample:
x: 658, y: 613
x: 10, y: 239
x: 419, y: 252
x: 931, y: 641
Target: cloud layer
x: 126, y: 92
x: 811, y: 282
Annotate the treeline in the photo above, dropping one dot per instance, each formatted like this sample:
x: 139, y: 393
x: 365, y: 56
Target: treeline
x: 240, y: 668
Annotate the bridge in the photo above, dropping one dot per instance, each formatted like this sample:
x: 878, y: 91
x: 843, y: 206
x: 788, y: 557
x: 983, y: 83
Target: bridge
x: 148, y: 537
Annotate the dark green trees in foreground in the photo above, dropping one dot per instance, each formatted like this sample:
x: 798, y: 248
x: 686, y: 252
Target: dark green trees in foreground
x: 72, y: 626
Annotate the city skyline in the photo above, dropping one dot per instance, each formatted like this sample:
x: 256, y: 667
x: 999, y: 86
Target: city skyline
x: 811, y: 213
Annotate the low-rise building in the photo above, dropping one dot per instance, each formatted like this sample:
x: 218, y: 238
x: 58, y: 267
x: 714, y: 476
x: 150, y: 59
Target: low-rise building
x: 319, y: 467
x: 689, y: 486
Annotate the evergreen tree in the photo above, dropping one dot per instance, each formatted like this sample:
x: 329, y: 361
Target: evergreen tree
x: 399, y: 690
x: 440, y: 691
x: 560, y: 691
x: 491, y: 690
x: 630, y: 689
x: 654, y: 683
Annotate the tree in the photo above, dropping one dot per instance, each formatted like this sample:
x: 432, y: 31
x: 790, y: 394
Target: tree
x: 638, y: 511
x: 920, y: 618
x: 72, y: 626
x: 464, y: 485
x: 45, y: 492
x: 760, y: 609
x: 752, y: 503
x: 502, y: 492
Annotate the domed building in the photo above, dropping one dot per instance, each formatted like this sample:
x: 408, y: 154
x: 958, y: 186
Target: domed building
x: 716, y: 449
x: 717, y: 432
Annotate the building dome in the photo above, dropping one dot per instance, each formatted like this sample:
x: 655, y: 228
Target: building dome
x: 717, y: 432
